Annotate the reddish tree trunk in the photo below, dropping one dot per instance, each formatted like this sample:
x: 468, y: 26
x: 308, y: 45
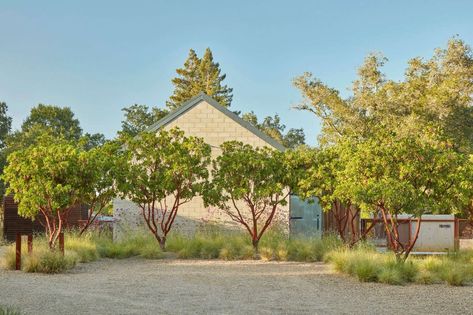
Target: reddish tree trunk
x: 53, y: 223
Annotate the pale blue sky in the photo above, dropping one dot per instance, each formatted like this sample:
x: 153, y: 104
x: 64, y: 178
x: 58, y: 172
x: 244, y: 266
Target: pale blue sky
x: 100, y: 56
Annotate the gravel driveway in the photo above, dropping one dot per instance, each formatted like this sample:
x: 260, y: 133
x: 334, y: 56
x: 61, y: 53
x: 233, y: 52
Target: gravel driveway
x: 136, y: 286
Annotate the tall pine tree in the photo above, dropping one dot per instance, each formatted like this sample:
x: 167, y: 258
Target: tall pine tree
x: 199, y: 75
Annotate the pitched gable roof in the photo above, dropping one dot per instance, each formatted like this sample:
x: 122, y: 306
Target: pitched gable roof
x: 204, y: 97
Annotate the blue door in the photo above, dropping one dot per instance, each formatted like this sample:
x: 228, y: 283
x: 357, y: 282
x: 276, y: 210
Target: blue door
x: 305, y: 218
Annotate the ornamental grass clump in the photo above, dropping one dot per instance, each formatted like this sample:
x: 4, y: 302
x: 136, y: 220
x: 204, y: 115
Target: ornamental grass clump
x: 83, y: 246
x: 134, y: 244
x: 370, y: 266
x: 42, y: 259
x: 9, y: 310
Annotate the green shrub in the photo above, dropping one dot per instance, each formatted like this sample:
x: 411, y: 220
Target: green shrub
x: 236, y: 247
x: 210, y: 249
x: 393, y: 272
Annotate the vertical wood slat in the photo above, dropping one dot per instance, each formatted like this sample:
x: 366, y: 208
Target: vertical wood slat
x: 14, y: 223
x: 18, y: 252
x: 61, y: 243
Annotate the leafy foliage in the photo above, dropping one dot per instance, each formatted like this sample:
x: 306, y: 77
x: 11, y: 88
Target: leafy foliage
x: 138, y: 118
x: 434, y: 98
x: 273, y: 127
x: 401, y: 147
x: 45, y: 178
x: 54, y: 175
x: 52, y: 121
x: 199, y: 75
x: 249, y: 184
x: 5, y: 128
x: 164, y: 171
x: 100, y: 167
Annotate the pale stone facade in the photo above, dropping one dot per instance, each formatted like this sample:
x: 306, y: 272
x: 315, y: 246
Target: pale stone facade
x: 202, y: 119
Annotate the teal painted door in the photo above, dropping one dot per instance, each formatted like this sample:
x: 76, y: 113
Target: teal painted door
x: 305, y: 218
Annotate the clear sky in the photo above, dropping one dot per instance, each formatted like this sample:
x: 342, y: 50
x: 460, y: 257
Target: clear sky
x: 100, y: 56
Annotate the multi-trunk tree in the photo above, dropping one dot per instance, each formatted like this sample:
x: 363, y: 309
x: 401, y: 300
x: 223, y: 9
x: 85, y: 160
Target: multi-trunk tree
x: 45, y: 178
x: 320, y: 177
x: 52, y: 176
x: 250, y: 185
x: 432, y: 107
x: 164, y: 171
x: 403, y: 176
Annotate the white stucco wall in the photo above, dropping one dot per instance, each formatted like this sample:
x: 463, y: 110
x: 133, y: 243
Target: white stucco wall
x: 437, y: 233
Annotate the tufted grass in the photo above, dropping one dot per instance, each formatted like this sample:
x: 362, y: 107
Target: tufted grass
x: 367, y: 265
x: 9, y: 310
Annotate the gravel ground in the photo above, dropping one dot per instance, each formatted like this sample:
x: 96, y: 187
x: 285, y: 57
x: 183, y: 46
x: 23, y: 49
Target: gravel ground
x: 136, y: 286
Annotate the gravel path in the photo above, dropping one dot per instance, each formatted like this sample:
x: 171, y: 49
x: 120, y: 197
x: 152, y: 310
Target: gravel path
x: 136, y: 286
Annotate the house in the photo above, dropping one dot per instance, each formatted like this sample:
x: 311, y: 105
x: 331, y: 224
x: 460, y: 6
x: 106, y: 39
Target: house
x: 203, y: 117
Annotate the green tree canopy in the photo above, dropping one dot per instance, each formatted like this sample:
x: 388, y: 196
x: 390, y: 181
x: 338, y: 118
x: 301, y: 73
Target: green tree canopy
x: 402, y: 145
x: 435, y: 97
x: 5, y: 124
x: 60, y: 120
x: 403, y: 176
x: 54, y: 121
x: 5, y: 128
x: 272, y: 126
x: 100, y: 168
x: 164, y: 171
x: 250, y: 184
x: 45, y: 178
x: 138, y: 118
x: 199, y: 75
